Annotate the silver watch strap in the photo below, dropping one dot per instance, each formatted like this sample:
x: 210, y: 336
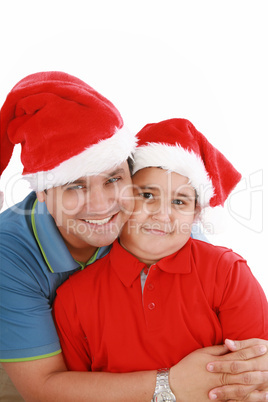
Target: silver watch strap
x: 162, y: 378
x: 162, y: 386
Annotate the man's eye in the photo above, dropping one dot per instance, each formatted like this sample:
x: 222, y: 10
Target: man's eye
x: 113, y: 180
x: 76, y: 187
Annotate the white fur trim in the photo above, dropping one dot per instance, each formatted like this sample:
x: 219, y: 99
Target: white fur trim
x: 177, y: 159
x: 92, y: 161
x: 213, y: 219
x: 1, y: 199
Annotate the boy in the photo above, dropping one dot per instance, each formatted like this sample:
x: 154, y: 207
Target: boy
x: 159, y: 295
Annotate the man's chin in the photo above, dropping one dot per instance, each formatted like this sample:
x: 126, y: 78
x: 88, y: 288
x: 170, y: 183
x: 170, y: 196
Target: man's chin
x: 100, y: 240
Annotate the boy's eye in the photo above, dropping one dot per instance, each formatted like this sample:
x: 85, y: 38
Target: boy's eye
x: 148, y: 196
x: 177, y: 202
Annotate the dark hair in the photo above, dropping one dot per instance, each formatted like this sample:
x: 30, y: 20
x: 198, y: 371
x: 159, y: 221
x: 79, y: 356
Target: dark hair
x: 130, y: 162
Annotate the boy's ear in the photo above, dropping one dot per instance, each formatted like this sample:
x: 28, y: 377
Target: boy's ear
x: 41, y: 196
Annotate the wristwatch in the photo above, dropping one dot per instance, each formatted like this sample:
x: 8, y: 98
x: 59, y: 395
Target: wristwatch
x: 162, y: 391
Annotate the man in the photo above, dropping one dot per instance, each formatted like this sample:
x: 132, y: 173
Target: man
x: 74, y: 152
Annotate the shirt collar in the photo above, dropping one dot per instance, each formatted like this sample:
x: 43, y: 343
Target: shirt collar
x: 178, y: 262
x: 128, y: 267
x: 51, y: 243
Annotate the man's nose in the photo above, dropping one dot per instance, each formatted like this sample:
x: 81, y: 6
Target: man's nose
x: 99, y: 202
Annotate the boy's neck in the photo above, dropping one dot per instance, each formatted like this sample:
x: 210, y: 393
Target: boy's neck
x: 147, y: 262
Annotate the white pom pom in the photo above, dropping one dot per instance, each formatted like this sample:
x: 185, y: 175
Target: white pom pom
x: 213, y: 219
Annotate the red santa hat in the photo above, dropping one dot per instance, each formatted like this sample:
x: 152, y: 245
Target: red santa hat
x: 177, y: 146
x: 66, y: 130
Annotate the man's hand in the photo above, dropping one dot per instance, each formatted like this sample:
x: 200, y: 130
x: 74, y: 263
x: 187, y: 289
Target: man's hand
x: 190, y: 380
x: 244, y: 372
x: 213, y: 373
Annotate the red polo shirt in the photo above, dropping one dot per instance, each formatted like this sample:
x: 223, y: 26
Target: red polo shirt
x: 193, y: 298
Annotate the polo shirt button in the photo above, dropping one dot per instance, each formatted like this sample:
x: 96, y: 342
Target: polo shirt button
x: 145, y: 271
x: 151, y: 306
x: 150, y: 286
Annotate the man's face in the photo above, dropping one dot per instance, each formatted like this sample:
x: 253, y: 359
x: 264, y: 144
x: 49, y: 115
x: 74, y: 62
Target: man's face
x: 163, y: 215
x: 92, y: 210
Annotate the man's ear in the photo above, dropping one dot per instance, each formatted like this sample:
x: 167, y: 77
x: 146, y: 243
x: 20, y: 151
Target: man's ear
x: 41, y: 196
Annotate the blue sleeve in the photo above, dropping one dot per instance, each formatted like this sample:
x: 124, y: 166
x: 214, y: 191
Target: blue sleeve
x: 27, y: 329
x: 198, y: 234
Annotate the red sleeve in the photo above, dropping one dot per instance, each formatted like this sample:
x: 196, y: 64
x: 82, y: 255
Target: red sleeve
x: 72, y: 338
x: 241, y: 305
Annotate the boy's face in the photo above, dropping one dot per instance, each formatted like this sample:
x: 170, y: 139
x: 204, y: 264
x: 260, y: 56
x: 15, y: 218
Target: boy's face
x: 163, y: 215
x: 92, y: 210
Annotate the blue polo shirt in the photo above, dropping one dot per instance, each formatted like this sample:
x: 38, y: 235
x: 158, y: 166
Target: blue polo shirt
x: 34, y: 261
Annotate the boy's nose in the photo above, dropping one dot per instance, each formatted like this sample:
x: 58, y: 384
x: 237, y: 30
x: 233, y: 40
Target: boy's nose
x: 162, y: 211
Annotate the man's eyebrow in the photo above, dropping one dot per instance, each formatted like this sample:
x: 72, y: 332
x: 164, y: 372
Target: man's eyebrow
x: 84, y: 180
x: 115, y: 172
x: 78, y: 181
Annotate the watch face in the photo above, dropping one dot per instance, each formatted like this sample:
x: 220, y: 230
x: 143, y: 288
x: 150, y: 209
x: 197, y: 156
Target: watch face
x: 164, y: 397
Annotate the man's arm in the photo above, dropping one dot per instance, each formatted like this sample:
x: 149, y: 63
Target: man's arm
x: 47, y: 380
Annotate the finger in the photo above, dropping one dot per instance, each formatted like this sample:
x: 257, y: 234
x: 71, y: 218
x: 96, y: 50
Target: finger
x: 257, y: 378
x: 254, y: 396
x: 248, y: 353
x: 247, y: 360
x: 241, y: 387
x: 236, y: 367
x: 231, y: 392
x: 217, y: 350
x: 238, y: 345
x: 257, y: 396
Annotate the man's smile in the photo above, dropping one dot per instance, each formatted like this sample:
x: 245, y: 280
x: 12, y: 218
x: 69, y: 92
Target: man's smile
x: 98, y: 221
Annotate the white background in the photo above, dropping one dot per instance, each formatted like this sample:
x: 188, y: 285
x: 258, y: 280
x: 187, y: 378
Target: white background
x: 202, y: 60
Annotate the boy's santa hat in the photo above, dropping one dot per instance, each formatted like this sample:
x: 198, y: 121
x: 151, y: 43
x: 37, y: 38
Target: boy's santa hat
x: 66, y: 130
x: 177, y: 146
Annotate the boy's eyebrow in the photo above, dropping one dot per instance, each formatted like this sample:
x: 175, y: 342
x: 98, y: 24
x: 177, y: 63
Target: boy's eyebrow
x: 152, y: 187
x: 184, y: 195
x: 147, y: 187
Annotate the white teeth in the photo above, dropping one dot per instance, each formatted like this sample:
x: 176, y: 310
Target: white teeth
x: 98, y: 221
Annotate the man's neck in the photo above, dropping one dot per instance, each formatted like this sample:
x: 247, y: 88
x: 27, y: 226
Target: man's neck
x: 82, y: 254
x: 79, y: 250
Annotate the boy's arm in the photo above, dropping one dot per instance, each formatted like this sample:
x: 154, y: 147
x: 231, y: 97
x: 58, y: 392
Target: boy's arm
x: 48, y: 380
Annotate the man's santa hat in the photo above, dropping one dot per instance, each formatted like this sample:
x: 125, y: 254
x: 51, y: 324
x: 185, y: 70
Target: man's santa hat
x: 176, y: 145
x: 66, y: 129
